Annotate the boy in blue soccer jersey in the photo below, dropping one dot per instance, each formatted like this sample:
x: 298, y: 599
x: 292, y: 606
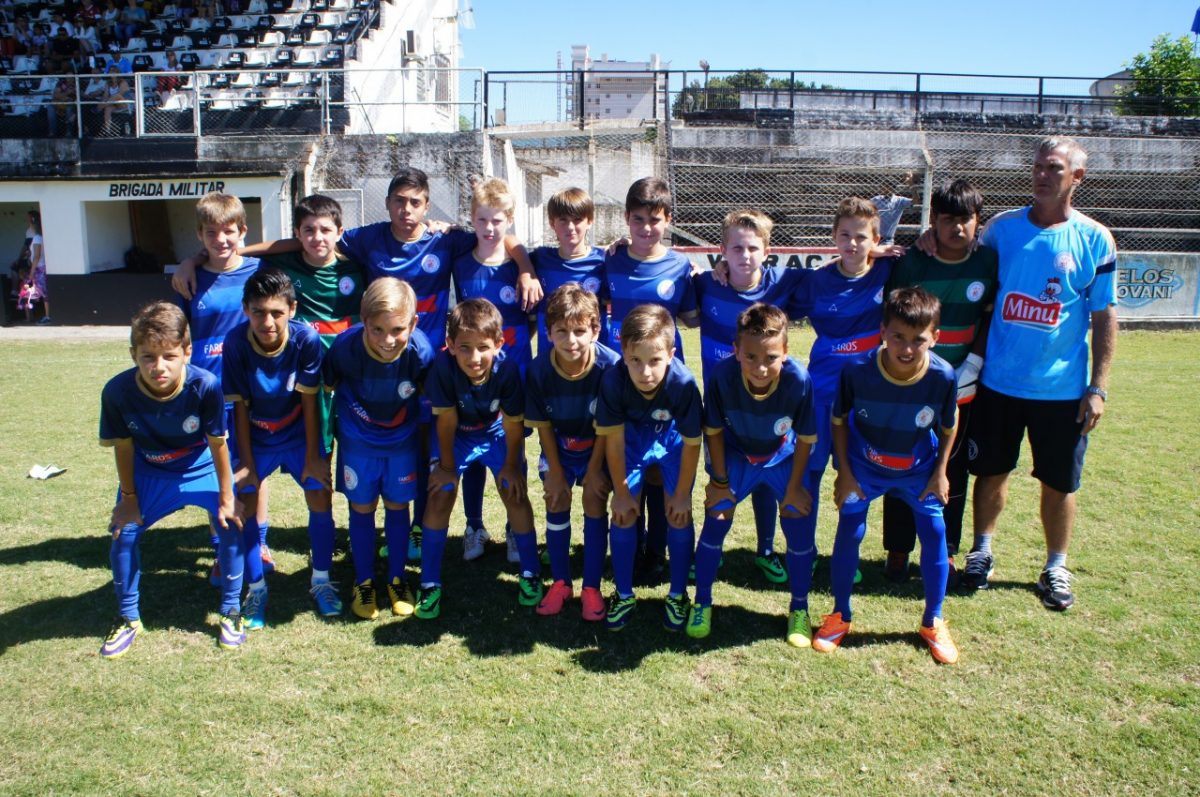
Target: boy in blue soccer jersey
x: 745, y: 242
x: 272, y: 374
x: 480, y: 409
x: 215, y: 307
x: 649, y: 413
x: 560, y: 402
x: 571, y: 212
x: 759, y: 424
x: 894, y: 419
x: 165, y: 421
x: 375, y: 369
x: 487, y: 272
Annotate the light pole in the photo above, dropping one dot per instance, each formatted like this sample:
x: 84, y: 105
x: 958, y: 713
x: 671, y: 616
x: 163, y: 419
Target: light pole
x: 704, y: 67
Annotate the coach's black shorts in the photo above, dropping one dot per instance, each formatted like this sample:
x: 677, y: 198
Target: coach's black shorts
x: 1055, y: 437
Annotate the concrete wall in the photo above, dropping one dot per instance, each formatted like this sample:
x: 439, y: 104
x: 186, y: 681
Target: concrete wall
x: 107, y: 235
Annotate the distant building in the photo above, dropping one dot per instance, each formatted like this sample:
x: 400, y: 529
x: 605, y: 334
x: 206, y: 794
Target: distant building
x: 614, y: 89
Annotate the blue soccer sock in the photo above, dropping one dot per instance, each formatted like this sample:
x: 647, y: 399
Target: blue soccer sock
x: 708, y: 556
x: 229, y: 553
x: 474, y: 479
x: 320, y: 539
x: 850, y: 531
x: 766, y: 511
x: 680, y: 543
x: 623, y: 541
x: 418, y: 504
x: 396, y: 525
x: 595, y: 546
x: 655, y: 500
x: 531, y: 565
x: 800, y: 534
x: 252, y: 551
x: 935, y: 564
x: 126, y: 560
x: 558, y: 543
x: 362, y: 545
x: 433, y: 545
x: 812, y: 482
x: 263, y: 528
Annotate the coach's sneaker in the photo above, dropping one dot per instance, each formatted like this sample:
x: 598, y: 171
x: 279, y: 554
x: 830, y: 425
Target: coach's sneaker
x: 363, y: 604
x: 559, y: 593
x: 530, y: 590
x: 937, y: 637
x: 593, y: 604
x: 772, y: 567
x: 429, y: 602
x: 1054, y: 585
x: 474, y: 540
x: 232, y: 631
x: 799, y: 633
x: 619, y: 610
x: 268, y: 561
x: 514, y: 555
x: 414, y: 543
x: 401, y: 598
x: 324, y: 594
x: 676, y: 609
x: 120, y: 638
x: 832, y: 632
x: 254, y: 609
x: 700, y: 623
x: 980, y: 566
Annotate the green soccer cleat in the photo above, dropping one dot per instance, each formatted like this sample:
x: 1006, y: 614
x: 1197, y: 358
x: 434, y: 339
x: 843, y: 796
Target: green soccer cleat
x: 675, y: 612
x: 772, y: 567
x: 429, y: 602
x: 700, y: 624
x: 530, y: 590
x: 254, y: 609
x: 231, y: 631
x: 619, y: 611
x: 799, y: 633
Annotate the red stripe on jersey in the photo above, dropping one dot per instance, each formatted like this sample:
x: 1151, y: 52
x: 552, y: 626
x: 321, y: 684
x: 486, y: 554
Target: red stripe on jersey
x: 577, y: 443
x: 890, y: 461
x: 332, y: 327
x: 427, y: 304
x: 282, y: 423
x: 954, y: 337
x: 857, y: 345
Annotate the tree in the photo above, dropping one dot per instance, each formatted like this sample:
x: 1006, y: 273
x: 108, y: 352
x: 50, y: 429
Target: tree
x: 1164, y: 82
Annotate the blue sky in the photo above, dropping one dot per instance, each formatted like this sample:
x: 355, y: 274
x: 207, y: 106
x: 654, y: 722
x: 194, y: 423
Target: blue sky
x: 1021, y: 37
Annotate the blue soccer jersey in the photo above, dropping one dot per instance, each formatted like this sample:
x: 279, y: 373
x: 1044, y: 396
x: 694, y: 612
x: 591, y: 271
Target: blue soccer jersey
x: 1051, y: 280
x: 893, y: 424
x: 720, y: 305
x: 481, y: 408
x: 270, y: 384
x: 554, y: 272
x: 214, y: 309
x: 377, y: 401
x: 567, y: 404
x: 763, y: 429
x: 497, y: 284
x: 666, y: 281
x: 423, y: 263
x: 846, y: 313
x: 672, y: 415
x: 170, y: 434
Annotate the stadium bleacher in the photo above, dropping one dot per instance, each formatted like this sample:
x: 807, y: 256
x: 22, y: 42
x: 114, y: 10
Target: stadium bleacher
x: 257, y: 59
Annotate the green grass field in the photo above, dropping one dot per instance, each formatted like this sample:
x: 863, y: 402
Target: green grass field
x: 491, y: 699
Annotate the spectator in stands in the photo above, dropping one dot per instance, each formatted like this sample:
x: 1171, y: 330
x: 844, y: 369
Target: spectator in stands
x: 37, y: 256
x: 57, y: 20
x: 891, y: 203
x: 97, y: 85
x: 64, y: 53
x: 61, y: 111
x: 109, y: 18
x: 40, y: 41
x: 167, y: 85
x: 22, y: 36
x: 88, y: 12
x: 118, y: 99
x: 88, y: 37
x: 133, y: 19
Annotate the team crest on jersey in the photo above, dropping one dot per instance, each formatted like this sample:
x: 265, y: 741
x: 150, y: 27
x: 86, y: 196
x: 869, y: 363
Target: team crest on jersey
x: 132, y: 425
x: 406, y: 389
x: 430, y: 263
x: 972, y: 450
x: 592, y: 284
x: 495, y: 405
x: 665, y: 289
x: 291, y: 382
x: 925, y: 417
x: 879, y: 296
x: 346, y: 286
x: 783, y: 426
x: 975, y: 291
x: 661, y: 415
x: 191, y: 423
x: 1064, y: 263
x: 349, y: 477
x: 508, y: 294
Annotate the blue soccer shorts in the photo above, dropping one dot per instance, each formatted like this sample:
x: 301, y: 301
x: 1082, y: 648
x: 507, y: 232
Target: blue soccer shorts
x: 363, y: 477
